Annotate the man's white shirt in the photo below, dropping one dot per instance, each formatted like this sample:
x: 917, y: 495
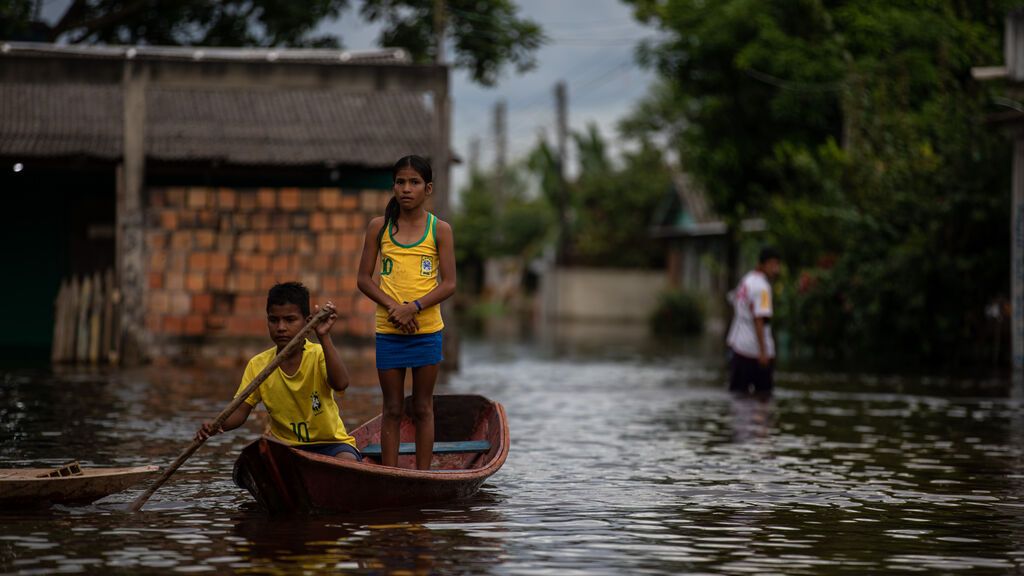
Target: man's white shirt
x: 752, y: 299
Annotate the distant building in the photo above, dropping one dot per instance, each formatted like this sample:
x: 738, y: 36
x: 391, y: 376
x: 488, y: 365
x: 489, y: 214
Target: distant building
x: 201, y: 176
x: 697, y: 255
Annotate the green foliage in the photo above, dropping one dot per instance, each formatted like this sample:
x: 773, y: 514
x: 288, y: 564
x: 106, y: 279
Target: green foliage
x: 614, y: 206
x: 542, y: 162
x: 525, y: 225
x: 196, y: 22
x: 855, y: 129
x: 15, y: 18
x: 679, y: 313
x: 474, y: 221
x: 519, y: 227
x: 486, y: 36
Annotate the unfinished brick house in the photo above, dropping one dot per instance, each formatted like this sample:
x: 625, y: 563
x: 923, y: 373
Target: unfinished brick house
x: 202, y: 177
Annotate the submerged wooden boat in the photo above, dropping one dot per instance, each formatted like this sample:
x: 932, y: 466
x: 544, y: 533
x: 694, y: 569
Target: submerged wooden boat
x: 69, y: 484
x: 471, y: 442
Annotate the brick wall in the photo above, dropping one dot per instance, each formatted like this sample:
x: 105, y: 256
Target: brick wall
x: 214, y: 252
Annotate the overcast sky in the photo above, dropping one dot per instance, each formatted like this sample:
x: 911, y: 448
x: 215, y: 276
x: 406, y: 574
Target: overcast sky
x: 591, y: 47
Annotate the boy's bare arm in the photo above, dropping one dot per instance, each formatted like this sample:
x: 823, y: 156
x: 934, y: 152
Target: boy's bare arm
x: 236, y: 419
x: 337, y: 374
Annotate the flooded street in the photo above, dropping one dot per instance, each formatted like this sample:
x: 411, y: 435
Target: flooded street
x: 625, y: 459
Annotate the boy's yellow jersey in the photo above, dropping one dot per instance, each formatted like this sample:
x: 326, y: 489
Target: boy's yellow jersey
x: 409, y: 272
x: 301, y: 405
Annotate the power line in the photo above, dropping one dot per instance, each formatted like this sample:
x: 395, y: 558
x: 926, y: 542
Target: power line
x: 533, y: 111
x: 795, y: 86
x: 600, y: 41
x: 604, y: 77
x: 571, y: 79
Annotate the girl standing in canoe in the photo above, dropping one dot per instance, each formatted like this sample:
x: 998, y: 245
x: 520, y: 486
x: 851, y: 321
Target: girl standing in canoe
x: 414, y: 247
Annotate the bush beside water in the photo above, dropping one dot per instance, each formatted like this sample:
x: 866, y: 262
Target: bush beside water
x: 679, y: 313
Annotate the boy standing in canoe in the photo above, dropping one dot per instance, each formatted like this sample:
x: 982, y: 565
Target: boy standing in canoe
x: 298, y: 394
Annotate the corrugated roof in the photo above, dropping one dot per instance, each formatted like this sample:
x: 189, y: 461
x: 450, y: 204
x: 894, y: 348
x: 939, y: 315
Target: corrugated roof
x: 65, y: 120
x: 256, y: 126
x: 688, y: 213
x: 275, y: 126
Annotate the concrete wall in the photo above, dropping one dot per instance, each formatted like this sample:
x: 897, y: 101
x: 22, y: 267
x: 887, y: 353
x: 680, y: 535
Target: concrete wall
x: 599, y: 294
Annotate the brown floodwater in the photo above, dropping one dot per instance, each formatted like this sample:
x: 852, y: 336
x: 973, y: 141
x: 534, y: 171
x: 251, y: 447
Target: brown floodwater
x: 627, y: 458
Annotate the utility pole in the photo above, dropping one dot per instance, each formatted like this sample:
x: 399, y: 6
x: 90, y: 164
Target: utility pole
x: 439, y: 25
x: 1012, y: 71
x: 1013, y: 51
x: 440, y: 160
x: 474, y: 155
x: 500, y: 155
x: 131, y: 178
x: 562, y: 114
x: 441, y: 152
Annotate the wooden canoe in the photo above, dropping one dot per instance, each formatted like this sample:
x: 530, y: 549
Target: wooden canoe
x: 471, y: 443
x: 41, y: 487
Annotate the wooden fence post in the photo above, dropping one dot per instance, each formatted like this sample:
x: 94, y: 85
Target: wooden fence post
x: 82, y: 343
x: 60, y: 310
x: 106, y: 347
x: 85, y: 320
x: 95, y: 315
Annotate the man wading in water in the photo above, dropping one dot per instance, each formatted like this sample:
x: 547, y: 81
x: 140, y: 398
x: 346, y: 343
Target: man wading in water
x: 750, y: 335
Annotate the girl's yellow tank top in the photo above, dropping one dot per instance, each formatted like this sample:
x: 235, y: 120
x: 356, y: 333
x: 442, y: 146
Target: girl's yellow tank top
x: 408, y: 272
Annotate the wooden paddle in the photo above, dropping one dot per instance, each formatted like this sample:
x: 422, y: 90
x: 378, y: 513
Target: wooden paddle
x: 295, y: 342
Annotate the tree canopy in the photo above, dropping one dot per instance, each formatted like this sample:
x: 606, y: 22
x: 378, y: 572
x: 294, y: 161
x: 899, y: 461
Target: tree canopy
x: 856, y: 130
x: 486, y: 36
x: 612, y: 201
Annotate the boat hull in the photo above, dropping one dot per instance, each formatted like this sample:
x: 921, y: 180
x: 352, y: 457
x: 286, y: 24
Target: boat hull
x: 286, y: 480
x: 23, y: 488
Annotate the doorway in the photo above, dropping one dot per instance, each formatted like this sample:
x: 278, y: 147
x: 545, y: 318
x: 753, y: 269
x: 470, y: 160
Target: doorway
x: 59, y: 222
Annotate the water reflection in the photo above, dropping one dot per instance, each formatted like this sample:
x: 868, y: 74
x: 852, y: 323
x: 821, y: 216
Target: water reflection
x: 633, y: 459
x: 426, y: 541
x: 752, y: 418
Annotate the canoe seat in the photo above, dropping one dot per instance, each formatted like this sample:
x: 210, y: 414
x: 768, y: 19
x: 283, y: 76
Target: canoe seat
x: 439, y: 447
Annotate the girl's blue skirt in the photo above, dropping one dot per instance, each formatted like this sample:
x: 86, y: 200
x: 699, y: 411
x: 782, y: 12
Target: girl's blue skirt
x: 408, y: 351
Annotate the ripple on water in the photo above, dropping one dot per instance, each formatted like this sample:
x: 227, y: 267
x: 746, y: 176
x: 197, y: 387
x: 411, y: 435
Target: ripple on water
x: 626, y: 466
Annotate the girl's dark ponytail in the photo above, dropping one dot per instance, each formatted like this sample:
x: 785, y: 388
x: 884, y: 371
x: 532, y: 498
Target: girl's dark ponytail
x: 390, y: 217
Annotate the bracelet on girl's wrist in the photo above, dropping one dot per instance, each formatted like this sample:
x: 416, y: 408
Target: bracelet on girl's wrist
x: 419, y: 307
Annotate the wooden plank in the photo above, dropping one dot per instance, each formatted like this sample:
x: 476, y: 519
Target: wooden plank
x: 60, y: 310
x: 95, y: 317
x: 108, y: 315
x: 71, y: 321
x: 115, y: 323
x: 84, y: 305
x: 439, y: 447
